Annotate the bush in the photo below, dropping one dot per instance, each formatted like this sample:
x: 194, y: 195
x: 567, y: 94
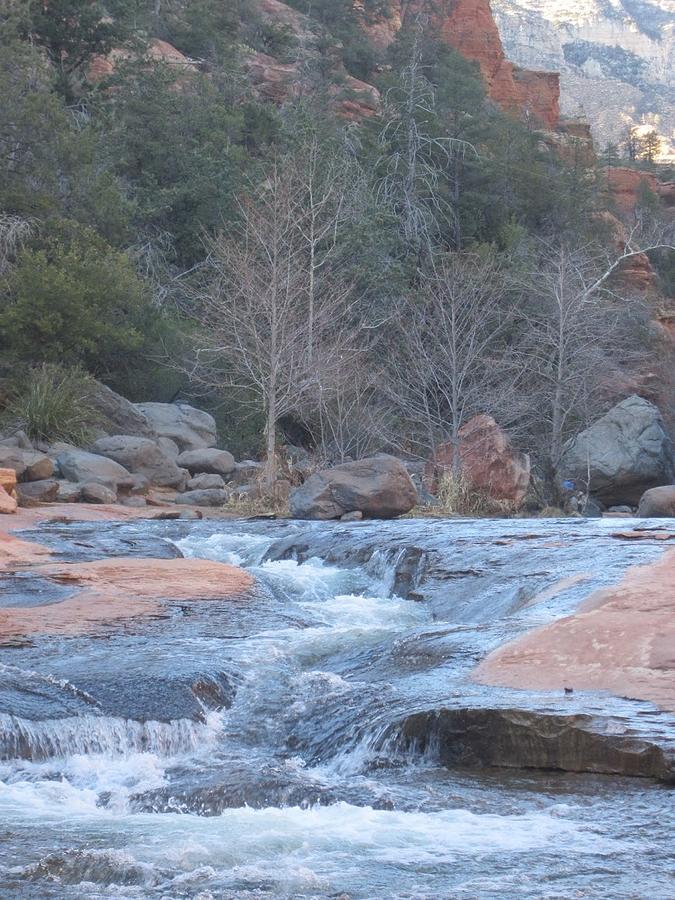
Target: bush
x: 54, y: 404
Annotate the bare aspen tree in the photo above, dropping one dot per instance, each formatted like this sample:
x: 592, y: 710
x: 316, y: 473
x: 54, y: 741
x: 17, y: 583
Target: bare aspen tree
x: 448, y: 348
x: 576, y: 334
x: 252, y: 311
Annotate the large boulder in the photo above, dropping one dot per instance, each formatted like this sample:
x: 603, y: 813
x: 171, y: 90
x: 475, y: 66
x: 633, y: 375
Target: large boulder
x: 119, y: 415
x: 488, y: 462
x: 190, y: 428
x: 206, y: 483
x: 97, y: 493
x: 29, y: 465
x: 142, y: 456
x: 90, y: 468
x: 379, y: 487
x: 626, y: 453
x: 207, y: 461
x: 658, y: 503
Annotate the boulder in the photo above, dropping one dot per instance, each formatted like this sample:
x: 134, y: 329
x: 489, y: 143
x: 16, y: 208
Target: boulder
x: 142, y: 456
x: 207, y: 461
x: 206, y: 483
x: 626, y: 452
x: 118, y: 415
x: 488, y: 461
x: 133, y: 486
x: 203, y: 498
x: 246, y: 471
x: 170, y: 448
x: 658, y: 503
x: 31, y: 493
x: 379, y: 487
x: 69, y: 492
x: 29, y: 465
x: 90, y: 468
x: 97, y: 493
x: 190, y: 428
x: 7, y: 503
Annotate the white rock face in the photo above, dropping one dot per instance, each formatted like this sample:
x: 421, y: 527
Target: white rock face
x: 616, y: 58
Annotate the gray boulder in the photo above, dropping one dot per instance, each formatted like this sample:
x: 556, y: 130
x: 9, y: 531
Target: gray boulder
x: 203, y: 498
x: 658, y: 503
x: 190, y: 428
x: 207, y: 461
x: 118, y: 415
x: 97, y: 493
x: 142, y: 456
x: 627, y: 452
x: 31, y: 493
x: 206, y: 483
x: 90, y: 468
x: 246, y: 471
x: 170, y: 447
x: 17, y: 439
x: 379, y: 487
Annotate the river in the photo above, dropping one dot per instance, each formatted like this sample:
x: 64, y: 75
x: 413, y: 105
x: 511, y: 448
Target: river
x: 255, y: 748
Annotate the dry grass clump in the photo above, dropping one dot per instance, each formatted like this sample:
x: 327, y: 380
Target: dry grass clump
x: 457, y: 497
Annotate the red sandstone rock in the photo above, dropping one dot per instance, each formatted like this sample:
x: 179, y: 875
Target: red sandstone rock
x: 159, y: 51
x: 621, y: 640
x: 488, y: 461
x: 625, y: 185
x: 8, y: 503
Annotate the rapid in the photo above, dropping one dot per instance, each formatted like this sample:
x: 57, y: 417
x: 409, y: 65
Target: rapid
x: 257, y: 749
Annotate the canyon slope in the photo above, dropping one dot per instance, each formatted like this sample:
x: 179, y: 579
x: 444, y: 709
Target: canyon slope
x: 616, y: 59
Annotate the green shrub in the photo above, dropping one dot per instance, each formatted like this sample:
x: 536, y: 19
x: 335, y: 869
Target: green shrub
x: 54, y: 404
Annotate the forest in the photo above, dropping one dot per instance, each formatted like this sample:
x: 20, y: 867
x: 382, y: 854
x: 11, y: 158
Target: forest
x: 344, y: 282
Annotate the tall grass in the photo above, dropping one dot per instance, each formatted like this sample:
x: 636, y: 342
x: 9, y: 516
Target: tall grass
x: 458, y: 497
x: 54, y: 404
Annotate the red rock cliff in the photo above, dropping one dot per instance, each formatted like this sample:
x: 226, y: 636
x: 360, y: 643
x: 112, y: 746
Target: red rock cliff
x: 469, y: 27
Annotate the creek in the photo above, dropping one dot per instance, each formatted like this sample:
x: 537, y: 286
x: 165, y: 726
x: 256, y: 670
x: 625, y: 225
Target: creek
x: 258, y: 748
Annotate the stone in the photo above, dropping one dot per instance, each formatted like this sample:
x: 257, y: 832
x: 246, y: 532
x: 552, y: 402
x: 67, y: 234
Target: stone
x: 203, y: 498
x: 142, y: 456
x: 97, y: 493
x: 118, y: 415
x: 189, y: 428
x: 8, y: 480
x: 133, y: 486
x: 379, y: 487
x: 658, y: 503
x: 12, y: 458
x: 134, y: 502
x: 627, y: 452
x: 88, y: 468
x: 38, y: 466
x: 69, y: 492
x: 31, y: 493
x: 526, y: 739
x: 205, y: 482
x: 17, y: 439
x: 207, y: 461
x: 7, y: 503
x: 246, y: 471
x: 170, y: 448
x: 355, y: 516
x: 621, y: 510
x: 489, y: 463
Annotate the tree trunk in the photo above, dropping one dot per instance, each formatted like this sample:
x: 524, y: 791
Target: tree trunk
x: 271, y: 460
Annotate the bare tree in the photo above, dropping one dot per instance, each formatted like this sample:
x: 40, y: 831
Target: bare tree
x: 448, y: 350
x: 577, y: 333
x: 253, y: 312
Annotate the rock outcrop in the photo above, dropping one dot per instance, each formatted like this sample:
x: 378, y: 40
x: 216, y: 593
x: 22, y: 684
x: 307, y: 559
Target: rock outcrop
x: 142, y: 456
x: 379, y: 487
x: 190, y: 428
x: 620, y: 639
x: 658, y: 503
x: 29, y: 465
x: 488, y: 462
x: 468, y: 26
x: 526, y: 739
x: 626, y: 452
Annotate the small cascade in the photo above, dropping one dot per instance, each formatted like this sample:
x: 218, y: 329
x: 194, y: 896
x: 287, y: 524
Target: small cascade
x: 41, y: 740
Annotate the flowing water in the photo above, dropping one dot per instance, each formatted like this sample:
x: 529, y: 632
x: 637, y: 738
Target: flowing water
x: 252, y: 749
